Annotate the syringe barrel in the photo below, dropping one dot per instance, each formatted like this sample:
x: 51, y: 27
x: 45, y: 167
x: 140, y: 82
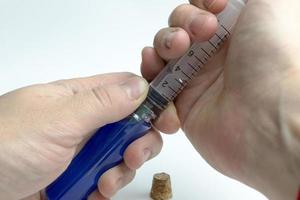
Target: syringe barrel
x: 179, y: 72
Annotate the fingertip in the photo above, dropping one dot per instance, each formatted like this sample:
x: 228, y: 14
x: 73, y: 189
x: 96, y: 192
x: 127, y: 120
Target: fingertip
x: 198, y: 23
x: 202, y: 27
x: 146, y: 51
x: 168, y: 122
x: 134, y: 159
x: 215, y: 6
x: 136, y: 89
x: 151, y: 64
x: 143, y: 149
x: 108, y: 186
x: 115, y: 179
x: 171, y: 43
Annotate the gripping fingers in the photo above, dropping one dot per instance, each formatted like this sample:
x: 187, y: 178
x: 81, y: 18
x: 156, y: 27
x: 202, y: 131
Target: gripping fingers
x: 170, y: 43
x: 151, y: 64
x: 189, y: 23
x: 114, y: 179
x: 143, y: 149
x: 168, y: 122
x: 214, y: 6
x: 135, y: 155
x: 198, y: 23
x: 96, y: 195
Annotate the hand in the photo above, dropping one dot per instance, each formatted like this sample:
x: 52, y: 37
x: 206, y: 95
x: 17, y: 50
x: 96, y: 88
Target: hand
x: 241, y: 112
x: 43, y: 126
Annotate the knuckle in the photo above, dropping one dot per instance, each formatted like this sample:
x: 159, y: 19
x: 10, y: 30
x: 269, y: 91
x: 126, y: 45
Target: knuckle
x: 130, y: 176
x: 62, y: 85
x: 102, y: 96
x: 159, y: 140
x: 156, y: 145
x: 132, y: 159
x: 196, y: 2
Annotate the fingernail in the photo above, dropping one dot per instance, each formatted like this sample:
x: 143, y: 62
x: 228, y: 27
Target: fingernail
x: 135, y: 87
x: 169, y: 38
x: 147, y: 155
x: 197, y: 23
x: 209, y: 3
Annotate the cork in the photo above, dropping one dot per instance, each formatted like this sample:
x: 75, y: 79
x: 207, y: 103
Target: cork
x: 161, y: 187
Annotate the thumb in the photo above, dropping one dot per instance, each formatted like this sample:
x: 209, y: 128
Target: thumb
x: 96, y: 107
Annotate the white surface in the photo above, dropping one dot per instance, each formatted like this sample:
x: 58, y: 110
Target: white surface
x: 42, y: 41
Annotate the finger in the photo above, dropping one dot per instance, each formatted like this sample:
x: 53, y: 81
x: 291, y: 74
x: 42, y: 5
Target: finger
x: 36, y: 196
x: 151, y: 64
x: 114, y: 179
x: 171, y: 43
x: 96, y: 195
x: 199, y: 24
x: 143, y: 149
x: 214, y: 6
x: 87, y: 83
x: 168, y: 122
x: 91, y: 109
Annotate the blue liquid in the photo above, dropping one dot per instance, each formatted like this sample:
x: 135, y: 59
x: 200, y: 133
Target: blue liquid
x: 103, y: 151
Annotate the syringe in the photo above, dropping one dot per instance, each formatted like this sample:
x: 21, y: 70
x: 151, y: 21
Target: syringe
x: 106, y: 147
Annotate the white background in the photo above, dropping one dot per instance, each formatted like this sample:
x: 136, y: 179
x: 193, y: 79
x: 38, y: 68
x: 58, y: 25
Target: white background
x: 41, y: 41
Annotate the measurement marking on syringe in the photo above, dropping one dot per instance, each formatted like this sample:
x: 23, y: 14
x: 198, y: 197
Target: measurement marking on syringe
x: 212, y: 45
x: 186, y: 75
x: 206, y: 52
x: 180, y: 90
x: 172, y: 89
x: 220, y: 37
x: 225, y: 29
x: 199, y: 60
x: 193, y: 67
x: 178, y: 81
x: 166, y: 97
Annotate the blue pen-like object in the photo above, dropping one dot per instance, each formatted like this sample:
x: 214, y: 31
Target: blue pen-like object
x: 103, y: 151
x: 106, y: 147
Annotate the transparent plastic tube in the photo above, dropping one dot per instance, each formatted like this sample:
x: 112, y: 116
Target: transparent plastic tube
x: 106, y: 148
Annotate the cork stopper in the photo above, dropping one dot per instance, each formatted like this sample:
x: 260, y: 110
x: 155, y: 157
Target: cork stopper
x: 161, y: 187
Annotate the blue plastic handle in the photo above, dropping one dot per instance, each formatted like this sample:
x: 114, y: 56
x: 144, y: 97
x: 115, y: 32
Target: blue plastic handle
x: 103, y: 151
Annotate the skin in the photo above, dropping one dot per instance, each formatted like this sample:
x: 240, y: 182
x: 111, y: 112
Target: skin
x: 241, y: 113
x: 42, y: 127
x: 245, y: 104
